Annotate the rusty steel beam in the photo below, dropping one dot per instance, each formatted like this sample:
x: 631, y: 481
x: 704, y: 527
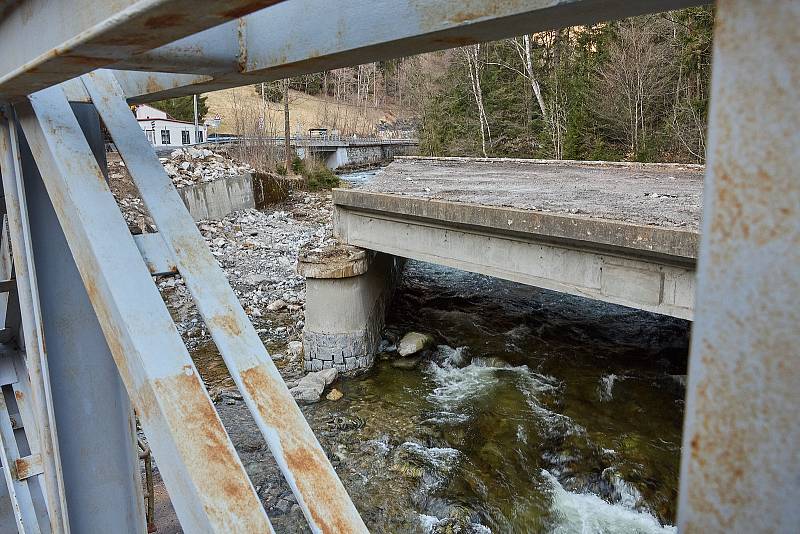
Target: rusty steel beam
x: 46, y: 42
x: 740, y: 467
x: 320, y: 493
x: 303, y: 36
x: 205, y: 478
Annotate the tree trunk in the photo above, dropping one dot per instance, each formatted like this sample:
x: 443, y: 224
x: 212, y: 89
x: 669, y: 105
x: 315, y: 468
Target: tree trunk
x: 473, y: 64
x: 287, y: 145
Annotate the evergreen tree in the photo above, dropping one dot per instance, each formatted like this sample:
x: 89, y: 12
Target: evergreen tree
x: 182, y: 107
x: 633, y: 89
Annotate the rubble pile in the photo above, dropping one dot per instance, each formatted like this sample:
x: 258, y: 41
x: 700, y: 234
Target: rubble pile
x: 190, y: 166
x: 258, y: 252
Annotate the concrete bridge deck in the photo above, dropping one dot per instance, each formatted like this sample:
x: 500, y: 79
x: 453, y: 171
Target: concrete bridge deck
x: 622, y: 233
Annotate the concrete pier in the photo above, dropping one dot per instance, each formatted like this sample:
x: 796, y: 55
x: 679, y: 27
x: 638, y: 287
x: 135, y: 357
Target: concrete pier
x: 347, y: 292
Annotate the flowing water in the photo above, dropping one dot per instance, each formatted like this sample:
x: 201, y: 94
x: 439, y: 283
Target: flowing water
x: 538, y: 412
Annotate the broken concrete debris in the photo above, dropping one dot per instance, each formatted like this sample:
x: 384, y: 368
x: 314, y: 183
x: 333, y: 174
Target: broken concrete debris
x: 311, y: 386
x: 190, y: 166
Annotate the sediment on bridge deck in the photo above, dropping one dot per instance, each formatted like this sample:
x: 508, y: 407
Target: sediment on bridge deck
x: 624, y: 233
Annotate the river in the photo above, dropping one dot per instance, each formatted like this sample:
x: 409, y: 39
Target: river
x: 536, y: 412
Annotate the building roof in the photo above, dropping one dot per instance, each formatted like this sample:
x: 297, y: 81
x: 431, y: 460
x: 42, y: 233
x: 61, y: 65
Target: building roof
x: 170, y: 119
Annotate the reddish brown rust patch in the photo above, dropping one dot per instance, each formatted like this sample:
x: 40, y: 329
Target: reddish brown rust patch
x: 455, y: 41
x: 248, y: 8
x: 26, y: 467
x: 18, y: 395
x: 324, y: 494
x: 227, y: 323
x: 85, y: 60
x: 167, y: 20
x: 207, y: 453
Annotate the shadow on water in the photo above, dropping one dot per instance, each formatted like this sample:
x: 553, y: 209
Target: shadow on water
x: 539, y: 412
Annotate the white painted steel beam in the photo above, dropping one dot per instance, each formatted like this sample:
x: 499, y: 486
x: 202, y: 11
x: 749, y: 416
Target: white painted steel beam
x: 303, y: 36
x: 205, y: 478
x: 45, y: 42
x: 740, y: 469
x: 319, y: 492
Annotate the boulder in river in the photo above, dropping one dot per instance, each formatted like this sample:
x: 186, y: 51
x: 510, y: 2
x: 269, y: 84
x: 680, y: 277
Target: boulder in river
x: 413, y: 342
x: 406, y: 363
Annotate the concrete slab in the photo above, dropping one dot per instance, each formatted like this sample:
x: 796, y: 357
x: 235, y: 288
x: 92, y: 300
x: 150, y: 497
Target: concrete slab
x: 622, y: 233
x: 657, y: 194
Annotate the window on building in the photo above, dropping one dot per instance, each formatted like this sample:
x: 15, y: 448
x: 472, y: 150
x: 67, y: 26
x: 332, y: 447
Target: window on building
x: 199, y: 136
x: 185, y: 137
x: 165, y: 137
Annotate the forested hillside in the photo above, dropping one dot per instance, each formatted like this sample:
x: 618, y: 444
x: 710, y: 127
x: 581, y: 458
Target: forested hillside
x: 633, y: 90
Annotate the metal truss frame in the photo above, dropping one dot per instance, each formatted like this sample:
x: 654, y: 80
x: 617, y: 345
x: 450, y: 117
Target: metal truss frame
x: 740, y: 464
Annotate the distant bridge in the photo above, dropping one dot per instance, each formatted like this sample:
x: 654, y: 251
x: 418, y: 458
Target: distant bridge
x: 334, y: 150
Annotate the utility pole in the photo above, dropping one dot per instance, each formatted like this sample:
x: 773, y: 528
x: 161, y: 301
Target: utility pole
x: 196, y: 122
x: 263, y: 109
x: 286, y: 130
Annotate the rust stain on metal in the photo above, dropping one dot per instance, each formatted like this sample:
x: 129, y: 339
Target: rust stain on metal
x: 152, y: 85
x: 206, y: 450
x: 309, y: 464
x: 18, y: 395
x: 247, y: 8
x: 166, y: 20
x: 226, y: 323
x: 241, y: 36
x: 24, y: 468
x: 484, y: 10
x: 88, y: 61
x: 456, y: 41
x: 433, y: 14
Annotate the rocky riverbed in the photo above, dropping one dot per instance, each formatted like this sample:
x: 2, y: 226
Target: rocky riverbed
x: 525, y: 410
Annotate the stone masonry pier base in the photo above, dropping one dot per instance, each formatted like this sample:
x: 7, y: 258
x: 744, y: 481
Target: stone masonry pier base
x: 347, y: 292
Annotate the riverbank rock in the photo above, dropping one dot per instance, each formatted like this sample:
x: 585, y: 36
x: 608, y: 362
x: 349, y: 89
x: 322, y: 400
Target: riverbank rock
x: 414, y: 342
x: 276, y: 305
x: 294, y: 348
x: 334, y: 395
x: 190, y: 166
x: 310, y: 388
x: 406, y: 363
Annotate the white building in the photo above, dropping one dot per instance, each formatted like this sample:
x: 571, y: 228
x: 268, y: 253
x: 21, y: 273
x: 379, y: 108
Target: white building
x: 163, y: 130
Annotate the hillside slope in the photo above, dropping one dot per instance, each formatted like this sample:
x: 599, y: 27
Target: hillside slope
x: 241, y: 110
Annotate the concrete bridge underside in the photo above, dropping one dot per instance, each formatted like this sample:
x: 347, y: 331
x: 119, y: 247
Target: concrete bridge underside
x: 621, y: 233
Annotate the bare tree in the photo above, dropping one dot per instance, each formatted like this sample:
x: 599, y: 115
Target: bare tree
x: 287, y: 133
x: 523, y: 47
x: 475, y: 66
x: 633, y: 85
